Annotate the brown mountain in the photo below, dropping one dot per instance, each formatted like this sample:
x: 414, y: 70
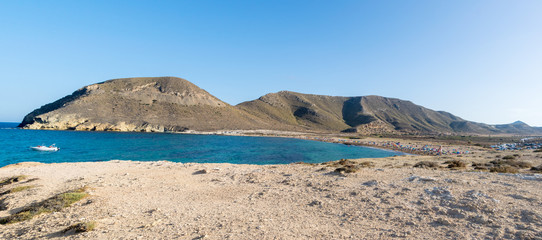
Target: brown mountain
x: 368, y: 114
x: 140, y: 104
x: 174, y: 104
x: 518, y: 127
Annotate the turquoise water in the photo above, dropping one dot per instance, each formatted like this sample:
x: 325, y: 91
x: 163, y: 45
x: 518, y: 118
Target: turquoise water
x: 104, y: 146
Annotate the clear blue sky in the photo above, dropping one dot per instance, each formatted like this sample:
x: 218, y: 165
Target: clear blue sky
x: 480, y: 60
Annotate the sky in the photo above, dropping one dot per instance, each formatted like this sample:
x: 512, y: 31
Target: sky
x: 480, y: 60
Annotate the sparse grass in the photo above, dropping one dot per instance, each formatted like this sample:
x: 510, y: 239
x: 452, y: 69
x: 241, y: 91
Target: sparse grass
x: 69, y: 198
x: 81, y: 227
x: 24, y: 215
x: 426, y: 164
x: 11, y: 180
x: 504, y: 169
x: 53, y: 204
x: 21, y: 188
x: 16, y: 189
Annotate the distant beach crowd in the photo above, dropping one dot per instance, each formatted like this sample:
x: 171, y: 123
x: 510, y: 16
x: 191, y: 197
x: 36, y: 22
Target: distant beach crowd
x: 434, y: 150
x: 525, y: 143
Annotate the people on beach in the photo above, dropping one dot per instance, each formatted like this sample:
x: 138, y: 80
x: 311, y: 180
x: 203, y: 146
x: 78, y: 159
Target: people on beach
x: 409, y: 148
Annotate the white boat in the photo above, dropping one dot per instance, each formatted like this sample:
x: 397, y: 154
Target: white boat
x: 51, y: 148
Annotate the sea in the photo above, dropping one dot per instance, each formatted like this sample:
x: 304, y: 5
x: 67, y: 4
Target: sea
x: 78, y: 146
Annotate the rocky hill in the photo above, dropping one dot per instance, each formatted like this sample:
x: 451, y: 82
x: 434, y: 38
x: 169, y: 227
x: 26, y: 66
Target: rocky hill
x: 174, y: 104
x: 368, y: 114
x: 140, y: 104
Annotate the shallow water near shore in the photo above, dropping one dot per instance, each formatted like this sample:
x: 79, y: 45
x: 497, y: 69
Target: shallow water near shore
x: 104, y: 146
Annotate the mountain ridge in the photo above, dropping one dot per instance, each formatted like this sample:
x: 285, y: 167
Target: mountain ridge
x: 158, y: 104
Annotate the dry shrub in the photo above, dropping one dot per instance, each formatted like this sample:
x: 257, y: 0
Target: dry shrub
x: 348, y: 166
x: 80, y: 227
x: 538, y: 150
x: 474, y: 164
x: 537, y: 169
x: 481, y: 166
x: 456, y: 164
x: 202, y: 171
x: 341, y: 162
x: 426, y: 164
x: 521, y: 164
x: 511, y: 162
x: 366, y: 164
x: 508, y: 157
x: 347, y: 169
x: 504, y: 169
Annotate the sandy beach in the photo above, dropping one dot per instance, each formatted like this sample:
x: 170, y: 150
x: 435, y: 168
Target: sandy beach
x: 380, y: 199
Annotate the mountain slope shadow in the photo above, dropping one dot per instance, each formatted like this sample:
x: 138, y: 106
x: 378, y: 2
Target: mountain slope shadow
x: 353, y: 113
